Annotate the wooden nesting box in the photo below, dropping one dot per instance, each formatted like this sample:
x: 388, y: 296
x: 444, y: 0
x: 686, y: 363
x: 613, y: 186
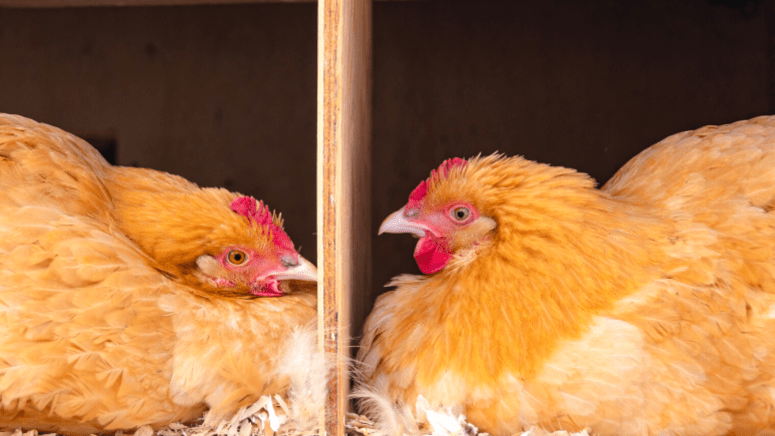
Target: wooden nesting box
x: 234, y: 95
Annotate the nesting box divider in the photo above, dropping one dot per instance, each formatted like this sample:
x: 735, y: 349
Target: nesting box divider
x: 343, y: 186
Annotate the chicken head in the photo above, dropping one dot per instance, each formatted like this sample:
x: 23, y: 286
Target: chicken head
x: 258, y: 268
x: 446, y: 224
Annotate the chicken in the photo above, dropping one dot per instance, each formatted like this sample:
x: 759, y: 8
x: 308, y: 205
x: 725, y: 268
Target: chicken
x: 133, y: 297
x: 645, y: 307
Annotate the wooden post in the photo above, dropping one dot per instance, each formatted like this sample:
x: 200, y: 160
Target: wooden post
x: 344, y: 185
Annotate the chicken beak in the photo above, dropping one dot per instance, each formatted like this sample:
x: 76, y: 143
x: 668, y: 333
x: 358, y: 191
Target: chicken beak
x: 305, y: 270
x: 397, y: 222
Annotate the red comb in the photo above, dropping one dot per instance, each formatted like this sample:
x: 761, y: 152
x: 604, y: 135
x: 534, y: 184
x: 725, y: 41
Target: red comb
x: 422, y: 189
x: 260, y: 215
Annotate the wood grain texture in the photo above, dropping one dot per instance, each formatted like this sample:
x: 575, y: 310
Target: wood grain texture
x: 344, y: 82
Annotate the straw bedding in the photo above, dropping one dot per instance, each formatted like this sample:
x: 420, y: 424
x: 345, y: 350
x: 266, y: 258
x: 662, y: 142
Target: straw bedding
x: 271, y: 417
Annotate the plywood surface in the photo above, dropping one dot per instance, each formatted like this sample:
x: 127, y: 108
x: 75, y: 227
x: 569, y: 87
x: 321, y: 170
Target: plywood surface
x: 344, y: 71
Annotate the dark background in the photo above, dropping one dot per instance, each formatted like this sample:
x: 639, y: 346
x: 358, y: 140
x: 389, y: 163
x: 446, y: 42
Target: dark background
x: 226, y: 95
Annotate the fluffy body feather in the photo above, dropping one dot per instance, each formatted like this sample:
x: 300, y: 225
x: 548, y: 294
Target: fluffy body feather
x: 646, y: 307
x: 108, y: 320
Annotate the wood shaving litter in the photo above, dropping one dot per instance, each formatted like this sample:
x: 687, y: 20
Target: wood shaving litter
x: 269, y: 417
x: 359, y: 425
x: 266, y: 417
x: 18, y: 432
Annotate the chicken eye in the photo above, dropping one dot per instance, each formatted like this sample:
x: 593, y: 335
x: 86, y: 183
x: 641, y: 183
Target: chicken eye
x: 237, y: 257
x: 461, y: 213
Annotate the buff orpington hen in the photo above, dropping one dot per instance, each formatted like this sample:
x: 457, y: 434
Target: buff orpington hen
x: 132, y: 297
x: 646, y: 307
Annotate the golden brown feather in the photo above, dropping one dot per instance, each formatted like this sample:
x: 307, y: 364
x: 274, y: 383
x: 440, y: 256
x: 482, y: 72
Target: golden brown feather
x: 641, y: 308
x: 106, y: 321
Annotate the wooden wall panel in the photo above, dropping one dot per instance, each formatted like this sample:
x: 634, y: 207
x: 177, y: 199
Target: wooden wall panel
x: 92, y: 3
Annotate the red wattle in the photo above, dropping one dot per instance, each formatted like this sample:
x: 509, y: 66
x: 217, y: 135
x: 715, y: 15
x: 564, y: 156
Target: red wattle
x: 431, y: 255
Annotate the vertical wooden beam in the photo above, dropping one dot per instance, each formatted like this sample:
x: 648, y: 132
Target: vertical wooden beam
x: 344, y: 184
